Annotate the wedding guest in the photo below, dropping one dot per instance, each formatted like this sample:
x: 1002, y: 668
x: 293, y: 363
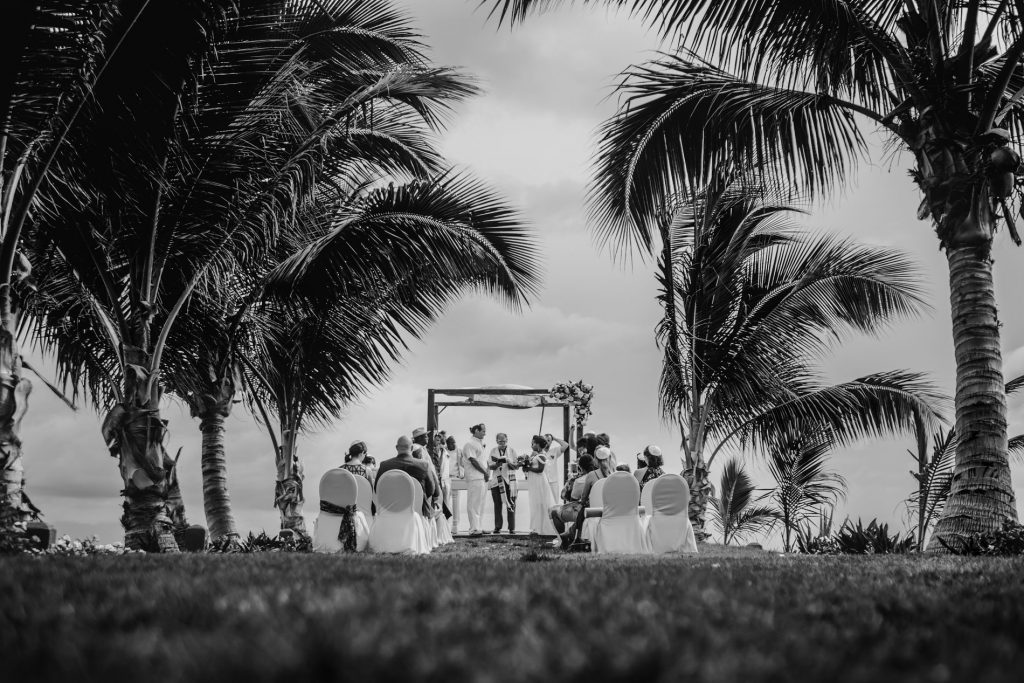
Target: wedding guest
x: 417, y: 469
x: 421, y: 452
x: 457, y: 468
x: 354, y: 460
x: 370, y: 463
x: 606, y: 441
x: 604, y: 469
x: 641, y: 461
x: 622, y: 467
x: 502, y: 462
x: 654, y: 459
x: 477, y: 476
x: 541, y: 500
x: 419, y: 443
x: 444, y: 471
x: 572, y: 494
x: 554, y: 450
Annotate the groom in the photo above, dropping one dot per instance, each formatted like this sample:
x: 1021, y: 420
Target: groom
x: 502, y: 462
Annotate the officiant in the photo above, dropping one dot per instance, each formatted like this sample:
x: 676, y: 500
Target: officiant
x: 502, y: 463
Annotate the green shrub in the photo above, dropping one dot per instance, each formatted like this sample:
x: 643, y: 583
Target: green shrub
x: 1008, y: 541
x: 873, y: 539
x: 262, y: 543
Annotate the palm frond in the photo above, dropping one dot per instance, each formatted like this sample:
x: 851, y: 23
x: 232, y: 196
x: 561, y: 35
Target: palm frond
x: 682, y: 120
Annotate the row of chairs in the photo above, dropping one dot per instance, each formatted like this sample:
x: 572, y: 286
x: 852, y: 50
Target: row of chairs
x: 398, y: 525
x: 621, y: 520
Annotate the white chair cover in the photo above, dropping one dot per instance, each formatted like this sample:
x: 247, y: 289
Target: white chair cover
x: 596, y: 501
x: 338, y: 487
x: 668, y: 527
x: 398, y: 526
x: 619, y: 529
x: 443, y: 530
x: 429, y: 530
x: 364, y: 499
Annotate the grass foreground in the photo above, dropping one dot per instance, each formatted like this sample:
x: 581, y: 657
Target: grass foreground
x: 493, y: 610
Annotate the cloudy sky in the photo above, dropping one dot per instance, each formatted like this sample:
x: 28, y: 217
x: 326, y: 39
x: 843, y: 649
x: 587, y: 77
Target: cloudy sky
x: 531, y: 134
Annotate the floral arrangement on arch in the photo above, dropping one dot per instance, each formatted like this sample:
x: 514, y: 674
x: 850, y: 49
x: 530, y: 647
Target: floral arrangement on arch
x: 579, y: 395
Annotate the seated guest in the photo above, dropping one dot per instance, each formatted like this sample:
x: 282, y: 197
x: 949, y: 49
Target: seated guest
x: 354, y: 460
x: 604, y: 468
x: 641, y: 461
x: 420, y: 470
x: 623, y: 467
x: 572, y: 495
x: 653, y: 456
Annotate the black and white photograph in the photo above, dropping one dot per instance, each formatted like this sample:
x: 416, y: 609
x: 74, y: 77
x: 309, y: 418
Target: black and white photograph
x: 511, y: 341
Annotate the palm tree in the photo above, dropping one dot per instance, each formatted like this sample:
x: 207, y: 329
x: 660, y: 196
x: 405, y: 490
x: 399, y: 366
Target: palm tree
x: 789, y: 85
x: 749, y: 306
x: 227, y: 124
x: 53, y: 54
x: 803, y: 485
x: 383, y: 138
x: 734, y: 510
x: 935, y: 470
x: 383, y: 267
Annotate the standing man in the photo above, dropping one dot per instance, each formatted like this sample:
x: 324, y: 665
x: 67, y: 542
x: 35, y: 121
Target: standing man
x: 477, y: 476
x: 421, y: 452
x: 457, y: 470
x: 553, y: 471
x: 502, y: 462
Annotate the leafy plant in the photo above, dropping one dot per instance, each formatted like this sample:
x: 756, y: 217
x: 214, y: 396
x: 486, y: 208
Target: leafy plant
x: 263, y: 543
x: 803, y: 484
x: 734, y: 511
x: 1008, y: 541
x: 873, y: 539
x: 818, y: 541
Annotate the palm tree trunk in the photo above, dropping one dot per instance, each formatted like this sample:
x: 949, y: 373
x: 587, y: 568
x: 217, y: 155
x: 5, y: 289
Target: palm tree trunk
x: 148, y: 519
x: 134, y: 432
x: 14, y: 392
x: 982, y: 496
x: 288, y: 496
x: 216, y: 500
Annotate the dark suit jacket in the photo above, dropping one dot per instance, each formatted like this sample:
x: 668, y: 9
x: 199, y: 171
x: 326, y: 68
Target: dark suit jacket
x: 418, y: 470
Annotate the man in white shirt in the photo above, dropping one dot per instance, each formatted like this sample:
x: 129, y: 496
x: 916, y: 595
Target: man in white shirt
x: 553, y: 471
x: 477, y: 476
x: 502, y: 461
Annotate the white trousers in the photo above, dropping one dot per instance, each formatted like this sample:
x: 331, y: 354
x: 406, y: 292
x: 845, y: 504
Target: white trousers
x: 556, y: 491
x: 476, y: 490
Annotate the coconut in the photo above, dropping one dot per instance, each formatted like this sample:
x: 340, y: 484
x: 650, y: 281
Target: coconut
x: 1003, y: 159
x: 1002, y: 184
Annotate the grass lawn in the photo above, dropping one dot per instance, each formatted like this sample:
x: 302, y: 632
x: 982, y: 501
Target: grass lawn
x: 494, y: 610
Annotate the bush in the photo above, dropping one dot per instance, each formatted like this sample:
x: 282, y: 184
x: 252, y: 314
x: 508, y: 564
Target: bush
x: 874, y: 539
x: 1008, y: 541
x: 296, y: 543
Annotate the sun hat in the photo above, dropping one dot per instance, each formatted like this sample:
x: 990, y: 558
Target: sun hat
x: 603, y: 453
x: 653, y: 450
x: 419, y: 431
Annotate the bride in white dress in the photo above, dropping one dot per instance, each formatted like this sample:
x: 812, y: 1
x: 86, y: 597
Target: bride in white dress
x: 541, y: 498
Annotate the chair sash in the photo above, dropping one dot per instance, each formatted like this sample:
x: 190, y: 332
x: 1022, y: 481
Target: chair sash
x: 340, y: 526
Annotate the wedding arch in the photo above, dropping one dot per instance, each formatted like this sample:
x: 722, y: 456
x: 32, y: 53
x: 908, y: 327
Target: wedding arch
x: 506, y: 396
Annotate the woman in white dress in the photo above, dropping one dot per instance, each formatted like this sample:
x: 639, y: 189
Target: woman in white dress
x: 541, y: 499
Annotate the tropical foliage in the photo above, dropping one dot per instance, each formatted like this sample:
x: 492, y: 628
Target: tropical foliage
x: 788, y: 86
x: 735, y: 511
x: 750, y: 303
x: 804, y: 485
x: 221, y: 135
